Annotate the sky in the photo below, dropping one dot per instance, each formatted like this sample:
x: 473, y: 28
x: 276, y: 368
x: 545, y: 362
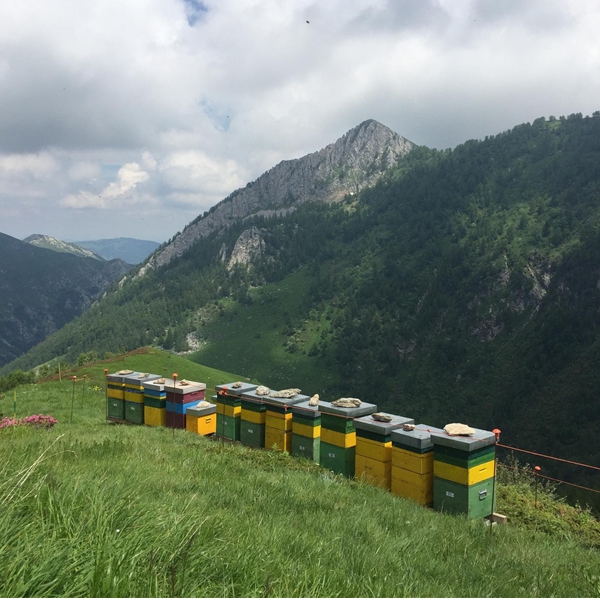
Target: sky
x: 129, y: 118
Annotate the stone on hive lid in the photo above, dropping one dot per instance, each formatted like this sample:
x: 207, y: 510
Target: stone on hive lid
x: 379, y: 416
x: 314, y: 400
x: 277, y: 401
x: 357, y: 411
x: 347, y: 403
x: 306, y: 409
x: 418, y: 438
x: 262, y: 390
x: 289, y: 393
x: 480, y: 439
x: 125, y: 372
x: 458, y: 429
x: 368, y: 423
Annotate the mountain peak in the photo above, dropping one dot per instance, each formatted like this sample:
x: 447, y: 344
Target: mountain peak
x: 353, y: 162
x: 50, y: 243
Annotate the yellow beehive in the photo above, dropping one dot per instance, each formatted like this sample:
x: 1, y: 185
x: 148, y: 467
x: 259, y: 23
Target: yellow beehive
x: 412, y: 461
x: 283, y: 439
x: 306, y: 430
x: 463, y: 475
x: 136, y: 396
x: 339, y: 439
x: 155, y: 417
x: 279, y: 421
x: 251, y: 416
x: 229, y: 411
x: 116, y: 394
x: 375, y: 472
x: 408, y: 484
x: 372, y: 449
x: 421, y: 493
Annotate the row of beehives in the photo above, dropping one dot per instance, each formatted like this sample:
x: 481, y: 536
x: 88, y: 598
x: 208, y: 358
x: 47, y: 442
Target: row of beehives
x: 420, y: 462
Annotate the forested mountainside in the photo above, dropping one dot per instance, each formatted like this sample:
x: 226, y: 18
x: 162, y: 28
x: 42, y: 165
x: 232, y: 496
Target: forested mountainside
x: 42, y: 289
x: 463, y: 286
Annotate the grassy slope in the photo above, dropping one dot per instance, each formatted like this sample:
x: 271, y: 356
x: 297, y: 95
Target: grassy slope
x: 255, y: 337
x: 138, y: 511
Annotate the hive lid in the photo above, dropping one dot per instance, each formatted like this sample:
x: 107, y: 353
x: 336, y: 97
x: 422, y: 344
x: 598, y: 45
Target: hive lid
x: 115, y: 377
x: 419, y: 437
x: 364, y: 409
x: 184, y: 386
x: 480, y: 439
x: 304, y: 409
x: 139, y: 378
x: 153, y: 385
x: 232, y: 391
x: 367, y: 423
x: 252, y: 396
x: 194, y: 411
x: 286, y: 401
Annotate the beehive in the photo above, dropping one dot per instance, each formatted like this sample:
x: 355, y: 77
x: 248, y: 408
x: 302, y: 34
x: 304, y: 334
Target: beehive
x: 412, y: 463
x: 306, y: 431
x: 338, y: 436
x: 463, y: 469
x: 179, y: 397
x: 134, y: 386
x: 278, y: 422
x: 373, y: 461
x: 229, y: 408
x: 201, y: 420
x: 115, y: 396
x: 253, y: 418
x: 155, y: 404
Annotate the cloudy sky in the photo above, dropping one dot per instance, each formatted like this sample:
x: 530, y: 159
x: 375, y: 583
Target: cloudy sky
x: 131, y: 117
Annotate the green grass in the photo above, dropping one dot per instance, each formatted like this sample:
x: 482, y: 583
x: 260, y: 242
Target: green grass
x: 257, y: 338
x: 92, y: 509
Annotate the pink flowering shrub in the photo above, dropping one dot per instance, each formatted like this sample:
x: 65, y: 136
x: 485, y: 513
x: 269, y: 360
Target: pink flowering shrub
x: 9, y: 422
x: 38, y: 421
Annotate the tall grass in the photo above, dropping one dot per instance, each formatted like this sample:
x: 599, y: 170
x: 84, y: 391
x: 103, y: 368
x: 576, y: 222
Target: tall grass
x: 101, y: 510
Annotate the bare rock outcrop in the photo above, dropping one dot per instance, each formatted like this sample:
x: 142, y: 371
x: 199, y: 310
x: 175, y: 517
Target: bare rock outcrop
x: 355, y: 161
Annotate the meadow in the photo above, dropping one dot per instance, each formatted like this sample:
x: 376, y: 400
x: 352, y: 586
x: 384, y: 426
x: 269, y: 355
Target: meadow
x: 96, y: 509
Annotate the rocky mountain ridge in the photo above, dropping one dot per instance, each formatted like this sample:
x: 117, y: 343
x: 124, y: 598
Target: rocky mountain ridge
x: 50, y: 243
x: 355, y: 161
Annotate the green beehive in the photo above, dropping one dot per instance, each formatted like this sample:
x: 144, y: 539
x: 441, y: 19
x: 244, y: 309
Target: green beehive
x: 475, y: 501
x: 338, y: 435
x: 338, y: 460
x: 116, y: 409
x: 459, y: 460
x: 252, y: 434
x: 306, y: 447
x: 134, y: 412
x: 228, y: 427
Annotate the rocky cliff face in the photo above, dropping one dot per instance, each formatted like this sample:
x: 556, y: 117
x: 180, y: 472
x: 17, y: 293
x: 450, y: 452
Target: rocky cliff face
x: 248, y: 247
x: 353, y: 162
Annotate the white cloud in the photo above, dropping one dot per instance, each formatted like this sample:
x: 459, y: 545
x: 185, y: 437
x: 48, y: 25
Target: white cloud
x: 128, y: 177
x: 188, y: 104
x: 37, y: 165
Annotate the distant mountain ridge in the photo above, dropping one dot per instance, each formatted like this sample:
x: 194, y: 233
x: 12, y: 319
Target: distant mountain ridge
x: 352, y: 163
x: 41, y: 290
x: 131, y: 250
x: 50, y: 243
